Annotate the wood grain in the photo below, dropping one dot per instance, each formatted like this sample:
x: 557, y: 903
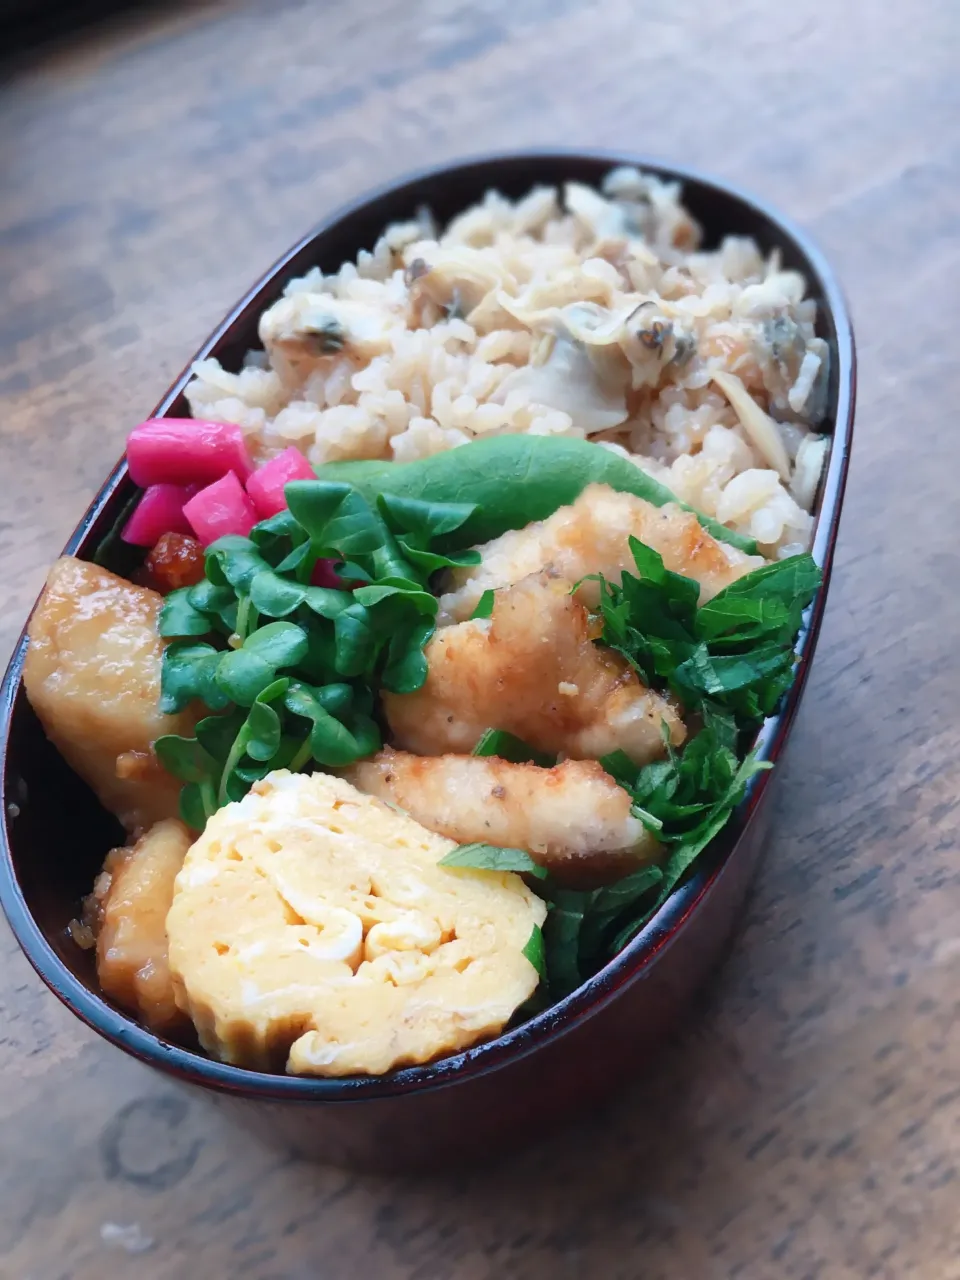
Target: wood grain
x: 808, y: 1124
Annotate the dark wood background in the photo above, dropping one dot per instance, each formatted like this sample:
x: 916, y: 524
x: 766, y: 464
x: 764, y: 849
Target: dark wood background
x: 808, y: 1123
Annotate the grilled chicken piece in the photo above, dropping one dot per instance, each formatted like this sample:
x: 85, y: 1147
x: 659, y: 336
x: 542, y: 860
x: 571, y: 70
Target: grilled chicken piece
x: 593, y: 536
x: 572, y: 819
x: 532, y: 669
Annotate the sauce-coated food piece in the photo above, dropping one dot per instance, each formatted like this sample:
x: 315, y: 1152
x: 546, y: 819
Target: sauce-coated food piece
x: 92, y: 674
x: 175, y: 561
x: 532, y: 669
x: 592, y: 535
x: 573, y: 819
x: 129, y: 906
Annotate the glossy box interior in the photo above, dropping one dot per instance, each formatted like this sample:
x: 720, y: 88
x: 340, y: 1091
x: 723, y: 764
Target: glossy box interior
x: 55, y: 834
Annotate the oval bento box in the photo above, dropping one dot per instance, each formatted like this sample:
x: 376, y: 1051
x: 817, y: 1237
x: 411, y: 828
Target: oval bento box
x: 497, y: 1094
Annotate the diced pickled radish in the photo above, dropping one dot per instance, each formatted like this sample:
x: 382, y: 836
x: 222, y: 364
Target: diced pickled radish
x: 219, y: 509
x: 267, y: 483
x: 186, y: 451
x: 159, y: 511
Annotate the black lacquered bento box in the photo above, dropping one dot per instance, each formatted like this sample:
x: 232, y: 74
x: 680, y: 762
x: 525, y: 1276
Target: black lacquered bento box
x: 499, y: 1093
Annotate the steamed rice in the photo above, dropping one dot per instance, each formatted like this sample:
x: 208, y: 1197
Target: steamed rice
x: 595, y: 315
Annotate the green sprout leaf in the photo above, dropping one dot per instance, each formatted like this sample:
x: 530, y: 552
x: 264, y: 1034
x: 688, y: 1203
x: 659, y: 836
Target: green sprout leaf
x: 282, y: 644
x: 407, y: 595
x: 218, y: 603
x: 243, y: 674
x: 497, y: 742
x: 198, y: 802
x: 484, y: 608
x: 535, y: 953
x: 216, y: 733
x: 490, y: 857
x: 429, y: 562
x: 334, y: 741
x: 424, y: 520
x: 259, y: 737
x: 234, y: 560
x: 275, y: 596
x: 187, y: 672
x: 179, y: 617
x: 263, y: 732
x: 335, y: 516
x: 185, y: 758
x: 357, y: 642
x: 405, y: 670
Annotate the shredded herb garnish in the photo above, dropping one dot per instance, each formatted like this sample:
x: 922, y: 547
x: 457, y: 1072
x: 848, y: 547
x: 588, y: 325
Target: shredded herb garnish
x: 492, y: 857
x: 484, y: 606
x: 729, y: 662
x: 734, y: 653
x: 506, y: 746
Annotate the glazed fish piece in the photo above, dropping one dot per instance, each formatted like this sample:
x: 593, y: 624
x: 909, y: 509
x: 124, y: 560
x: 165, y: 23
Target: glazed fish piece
x: 92, y: 674
x: 592, y: 535
x: 573, y: 819
x: 532, y: 669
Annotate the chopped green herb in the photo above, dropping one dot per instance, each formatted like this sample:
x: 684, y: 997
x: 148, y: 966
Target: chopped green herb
x: 497, y: 742
x: 485, y: 605
x: 490, y: 857
x: 735, y: 653
x: 561, y: 936
x: 535, y: 953
x: 730, y: 661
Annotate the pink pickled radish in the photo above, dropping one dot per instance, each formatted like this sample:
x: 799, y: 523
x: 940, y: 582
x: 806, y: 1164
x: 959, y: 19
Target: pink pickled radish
x: 220, y: 508
x: 159, y: 511
x: 186, y: 451
x: 267, y: 483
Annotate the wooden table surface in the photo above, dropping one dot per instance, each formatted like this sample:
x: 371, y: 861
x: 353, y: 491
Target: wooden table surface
x: 808, y: 1124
